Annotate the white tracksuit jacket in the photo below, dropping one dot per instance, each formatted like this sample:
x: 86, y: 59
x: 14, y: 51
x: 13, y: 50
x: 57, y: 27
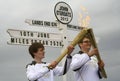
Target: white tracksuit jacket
x: 88, y: 70
x: 40, y: 72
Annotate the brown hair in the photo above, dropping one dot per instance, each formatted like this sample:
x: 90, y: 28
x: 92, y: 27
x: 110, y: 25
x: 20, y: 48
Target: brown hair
x: 34, y: 48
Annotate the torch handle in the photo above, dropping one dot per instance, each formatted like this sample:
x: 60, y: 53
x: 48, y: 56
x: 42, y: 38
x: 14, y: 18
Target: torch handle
x: 92, y: 38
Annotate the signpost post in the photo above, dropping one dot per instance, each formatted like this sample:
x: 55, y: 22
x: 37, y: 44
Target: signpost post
x: 64, y: 15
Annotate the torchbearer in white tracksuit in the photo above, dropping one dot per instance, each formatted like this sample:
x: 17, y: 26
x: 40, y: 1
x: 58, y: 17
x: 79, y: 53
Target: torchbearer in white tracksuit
x: 85, y: 64
x: 39, y: 71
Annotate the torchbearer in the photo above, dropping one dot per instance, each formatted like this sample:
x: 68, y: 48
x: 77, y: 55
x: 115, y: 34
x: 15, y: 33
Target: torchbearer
x: 84, y: 63
x: 38, y: 70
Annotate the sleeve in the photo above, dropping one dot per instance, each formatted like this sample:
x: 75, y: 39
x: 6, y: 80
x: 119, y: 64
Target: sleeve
x: 78, y: 60
x: 34, y: 74
x: 58, y: 71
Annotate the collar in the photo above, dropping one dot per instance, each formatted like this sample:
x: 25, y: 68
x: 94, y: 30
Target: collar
x: 80, y: 52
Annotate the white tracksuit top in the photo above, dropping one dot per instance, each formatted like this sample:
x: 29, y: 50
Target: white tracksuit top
x: 88, y: 70
x: 40, y: 72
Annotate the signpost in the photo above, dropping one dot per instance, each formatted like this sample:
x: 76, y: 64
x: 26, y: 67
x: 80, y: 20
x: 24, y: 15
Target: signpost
x: 64, y: 15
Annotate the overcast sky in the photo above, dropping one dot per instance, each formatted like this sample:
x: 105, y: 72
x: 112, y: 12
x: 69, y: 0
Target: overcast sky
x: 105, y: 21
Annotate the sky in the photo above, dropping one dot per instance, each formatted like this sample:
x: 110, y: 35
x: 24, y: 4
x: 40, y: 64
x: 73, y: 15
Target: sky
x: 104, y: 22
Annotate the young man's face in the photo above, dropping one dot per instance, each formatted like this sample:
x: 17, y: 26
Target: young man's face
x: 40, y: 53
x: 86, y: 44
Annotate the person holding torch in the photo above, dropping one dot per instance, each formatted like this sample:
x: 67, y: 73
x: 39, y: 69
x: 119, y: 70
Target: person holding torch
x: 39, y: 70
x: 85, y: 64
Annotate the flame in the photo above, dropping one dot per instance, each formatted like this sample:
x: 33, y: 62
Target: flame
x: 84, y: 18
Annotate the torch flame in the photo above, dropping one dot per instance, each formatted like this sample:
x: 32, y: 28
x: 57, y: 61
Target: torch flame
x: 84, y: 18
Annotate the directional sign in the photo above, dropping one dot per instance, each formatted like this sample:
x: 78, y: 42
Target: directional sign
x: 29, y: 41
x: 34, y: 34
x: 51, y: 24
x: 41, y: 23
x: 23, y: 37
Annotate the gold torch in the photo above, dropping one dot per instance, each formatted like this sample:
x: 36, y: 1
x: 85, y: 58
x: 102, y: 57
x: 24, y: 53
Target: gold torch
x: 78, y: 38
x: 92, y: 38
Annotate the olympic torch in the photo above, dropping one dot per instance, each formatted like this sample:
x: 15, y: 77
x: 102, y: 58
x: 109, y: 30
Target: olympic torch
x: 92, y: 38
x: 75, y: 41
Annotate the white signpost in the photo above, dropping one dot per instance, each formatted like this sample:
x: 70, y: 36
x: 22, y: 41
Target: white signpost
x: 63, y: 14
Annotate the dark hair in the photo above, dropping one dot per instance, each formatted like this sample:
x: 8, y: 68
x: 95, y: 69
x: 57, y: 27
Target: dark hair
x: 34, y: 48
